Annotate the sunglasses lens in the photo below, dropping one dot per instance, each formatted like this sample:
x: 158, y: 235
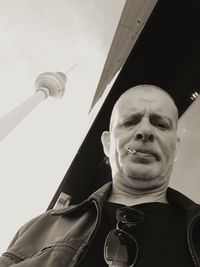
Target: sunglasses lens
x: 120, y: 247
x: 129, y: 215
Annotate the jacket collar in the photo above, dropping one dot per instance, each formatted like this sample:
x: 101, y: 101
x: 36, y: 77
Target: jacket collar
x: 99, y: 197
x: 183, y: 203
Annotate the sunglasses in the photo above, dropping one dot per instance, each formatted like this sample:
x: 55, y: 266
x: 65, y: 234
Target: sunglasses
x: 120, y: 248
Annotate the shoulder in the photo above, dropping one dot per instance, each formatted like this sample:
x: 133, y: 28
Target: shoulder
x: 41, y: 218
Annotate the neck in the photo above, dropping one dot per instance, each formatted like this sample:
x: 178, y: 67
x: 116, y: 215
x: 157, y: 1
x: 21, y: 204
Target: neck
x: 130, y: 198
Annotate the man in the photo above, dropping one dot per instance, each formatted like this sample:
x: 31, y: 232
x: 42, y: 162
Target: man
x: 135, y: 221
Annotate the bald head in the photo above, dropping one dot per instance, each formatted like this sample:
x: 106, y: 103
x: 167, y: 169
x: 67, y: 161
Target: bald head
x: 145, y: 93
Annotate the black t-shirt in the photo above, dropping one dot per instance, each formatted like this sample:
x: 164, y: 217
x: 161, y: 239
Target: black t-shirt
x: 161, y: 237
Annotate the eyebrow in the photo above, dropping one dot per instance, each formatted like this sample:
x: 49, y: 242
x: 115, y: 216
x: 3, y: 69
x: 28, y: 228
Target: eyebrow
x: 133, y: 116
x: 139, y: 115
x: 161, y: 117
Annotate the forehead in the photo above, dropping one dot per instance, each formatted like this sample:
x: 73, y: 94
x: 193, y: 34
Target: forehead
x: 141, y: 99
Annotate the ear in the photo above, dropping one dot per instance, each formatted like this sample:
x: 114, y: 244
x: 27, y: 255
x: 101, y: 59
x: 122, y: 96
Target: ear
x: 105, y: 139
x: 177, y: 149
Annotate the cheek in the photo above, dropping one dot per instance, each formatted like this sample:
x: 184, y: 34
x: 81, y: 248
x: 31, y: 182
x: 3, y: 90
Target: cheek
x: 169, y: 148
x: 118, y: 145
x: 122, y: 139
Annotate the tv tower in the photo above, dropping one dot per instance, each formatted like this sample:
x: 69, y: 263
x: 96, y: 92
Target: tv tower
x: 47, y: 84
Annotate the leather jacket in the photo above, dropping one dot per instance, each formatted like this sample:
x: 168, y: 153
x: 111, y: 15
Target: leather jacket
x: 60, y: 238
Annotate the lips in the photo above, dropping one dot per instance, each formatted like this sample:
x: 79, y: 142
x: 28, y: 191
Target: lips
x: 147, y: 152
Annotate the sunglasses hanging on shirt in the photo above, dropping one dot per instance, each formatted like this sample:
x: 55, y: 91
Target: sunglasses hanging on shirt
x: 121, y: 248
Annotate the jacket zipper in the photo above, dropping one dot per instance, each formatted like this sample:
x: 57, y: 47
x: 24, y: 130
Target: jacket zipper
x: 190, y: 243
x: 92, y: 235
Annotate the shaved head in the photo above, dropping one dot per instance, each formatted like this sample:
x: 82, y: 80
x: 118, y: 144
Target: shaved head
x: 146, y: 88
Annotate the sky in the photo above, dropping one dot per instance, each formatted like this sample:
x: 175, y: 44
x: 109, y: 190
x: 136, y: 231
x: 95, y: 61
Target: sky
x: 39, y: 36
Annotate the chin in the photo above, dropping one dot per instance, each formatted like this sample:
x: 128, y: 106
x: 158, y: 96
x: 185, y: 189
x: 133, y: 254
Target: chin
x: 146, y: 179
x: 143, y: 173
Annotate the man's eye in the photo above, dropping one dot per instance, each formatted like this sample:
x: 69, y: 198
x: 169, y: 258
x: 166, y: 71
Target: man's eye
x: 127, y: 123
x: 130, y: 123
x: 162, y: 125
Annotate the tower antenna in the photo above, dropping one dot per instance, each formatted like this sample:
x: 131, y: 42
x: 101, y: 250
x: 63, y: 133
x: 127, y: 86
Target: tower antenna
x: 71, y: 69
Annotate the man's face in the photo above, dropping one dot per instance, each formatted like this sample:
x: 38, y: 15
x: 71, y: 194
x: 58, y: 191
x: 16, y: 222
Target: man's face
x: 144, y: 120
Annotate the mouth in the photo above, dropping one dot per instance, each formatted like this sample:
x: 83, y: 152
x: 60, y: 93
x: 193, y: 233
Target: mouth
x: 144, y: 153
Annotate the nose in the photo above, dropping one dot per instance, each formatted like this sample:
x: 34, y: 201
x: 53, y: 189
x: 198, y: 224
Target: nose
x: 144, y: 132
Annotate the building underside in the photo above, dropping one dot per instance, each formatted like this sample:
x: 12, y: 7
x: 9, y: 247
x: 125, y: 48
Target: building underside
x: 167, y: 54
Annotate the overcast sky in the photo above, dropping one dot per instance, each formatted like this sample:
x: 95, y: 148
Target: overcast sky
x: 39, y: 36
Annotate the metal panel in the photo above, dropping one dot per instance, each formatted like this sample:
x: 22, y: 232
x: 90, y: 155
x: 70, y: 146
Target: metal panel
x: 133, y: 19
